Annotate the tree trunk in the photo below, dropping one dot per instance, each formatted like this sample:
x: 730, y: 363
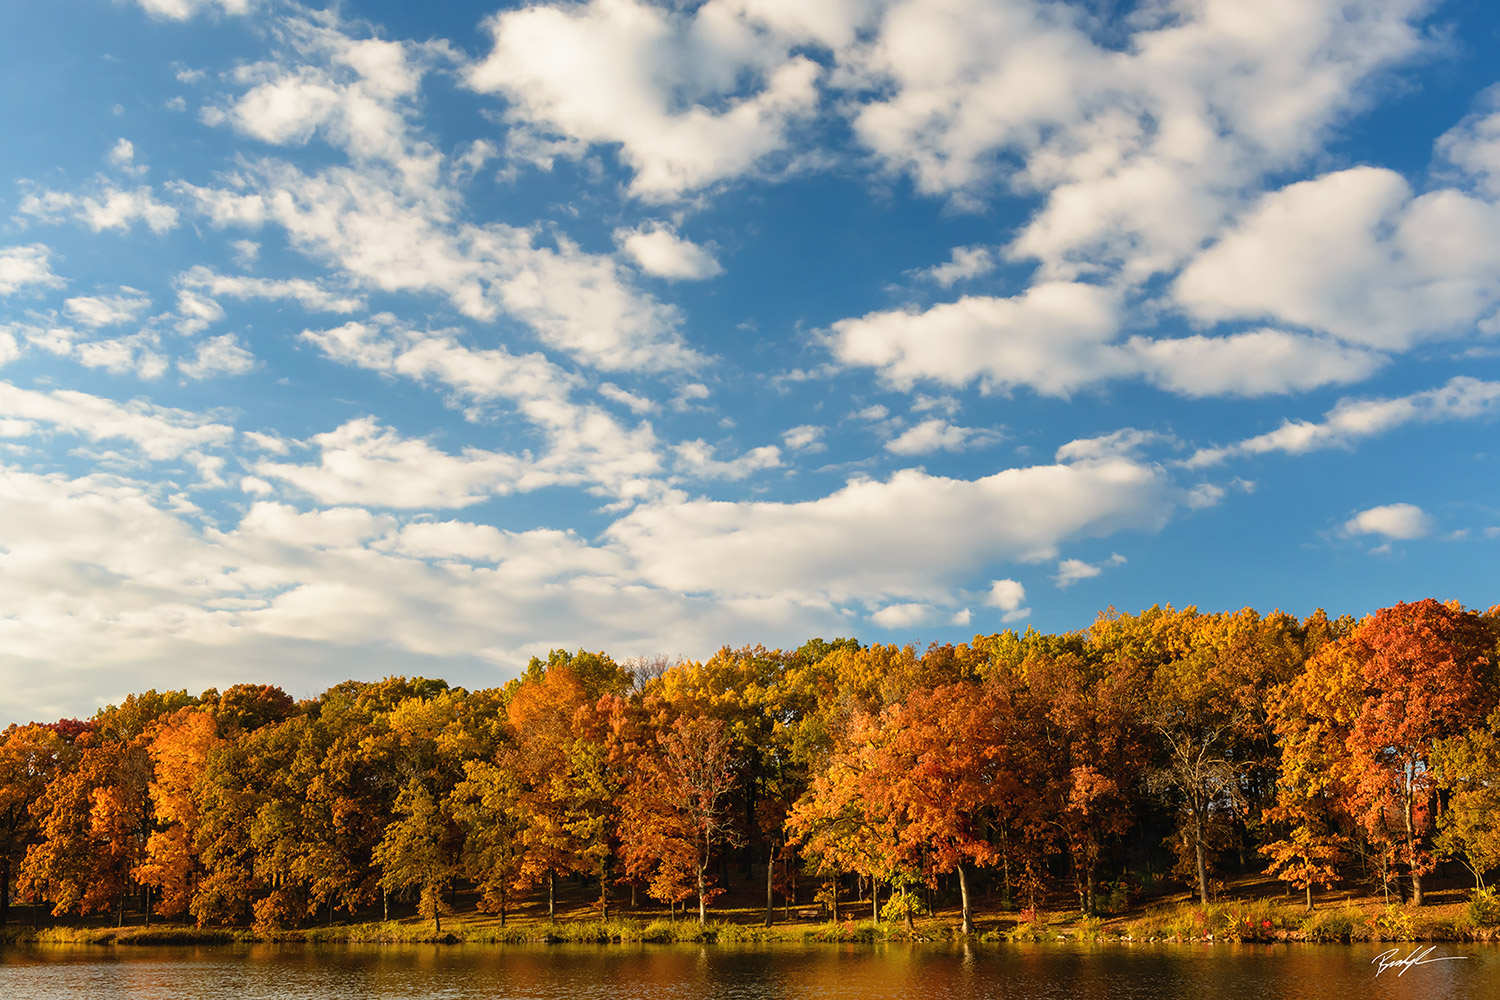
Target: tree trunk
x: 551, y: 896
x: 604, y: 895
x: 963, y: 892
x: 1411, y: 854
x: 770, y: 883
x: 702, y: 903
x: 1091, y: 880
x: 789, y: 895
x: 874, y: 899
x: 835, y: 898
x: 1309, y: 896
x: 437, y: 917
x: 146, y: 903
x: 1199, y: 834
x: 385, y: 905
x: 906, y: 909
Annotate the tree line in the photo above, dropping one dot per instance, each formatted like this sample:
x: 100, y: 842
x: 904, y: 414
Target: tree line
x: 1169, y: 742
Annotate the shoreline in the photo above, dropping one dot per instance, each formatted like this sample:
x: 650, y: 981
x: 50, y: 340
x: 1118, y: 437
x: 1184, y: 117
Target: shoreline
x: 1253, y: 921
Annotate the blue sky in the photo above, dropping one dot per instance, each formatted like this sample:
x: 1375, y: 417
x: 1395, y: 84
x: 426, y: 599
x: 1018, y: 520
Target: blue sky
x: 423, y: 338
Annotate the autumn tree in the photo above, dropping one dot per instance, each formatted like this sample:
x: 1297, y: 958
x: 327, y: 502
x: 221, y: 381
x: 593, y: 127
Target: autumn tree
x: 179, y: 750
x: 1428, y: 674
x: 417, y: 851
x: 31, y: 757
x: 677, y: 808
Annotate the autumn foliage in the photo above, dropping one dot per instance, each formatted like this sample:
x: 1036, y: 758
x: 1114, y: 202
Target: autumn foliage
x: 1166, y: 744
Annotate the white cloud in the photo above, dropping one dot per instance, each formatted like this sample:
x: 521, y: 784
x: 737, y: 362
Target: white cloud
x: 939, y: 435
x: 161, y: 433
x: 223, y: 355
x: 1258, y: 363
x: 807, y: 437
x: 696, y: 458
x: 22, y: 266
x: 365, y: 463
x: 137, y: 354
x: 1473, y: 145
x: 1123, y: 443
x: 1052, y: 338
x: 964, y: 263
x: 107, y: 207
x: 181, y: 10
x: 688, y: 395
x: 122, y: 158
x: 1462, y: 398
x: 931, y: 532
x: 635, y: 403
x: 1007, y: 595
x: 689, y: 98
x: 659, y: 251
x: 310, y: 294
x: 1357, y: 255
x: 1139, y: 146
x: 393, y: 238
x: 1059, y: 337
x: 108, y: 310
x: 1070, y: 571
x: 1400, y: 521
x: 586, y: 444
x: 898, y: 616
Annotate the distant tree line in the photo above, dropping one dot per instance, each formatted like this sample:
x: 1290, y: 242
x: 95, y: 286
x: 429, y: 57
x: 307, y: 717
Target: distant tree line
x: 1149, y: 744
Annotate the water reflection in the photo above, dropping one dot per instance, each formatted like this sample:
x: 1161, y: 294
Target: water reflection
x: 824, y: 972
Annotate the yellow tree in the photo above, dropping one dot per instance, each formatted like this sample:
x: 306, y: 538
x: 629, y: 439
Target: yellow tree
x: 179, y: 750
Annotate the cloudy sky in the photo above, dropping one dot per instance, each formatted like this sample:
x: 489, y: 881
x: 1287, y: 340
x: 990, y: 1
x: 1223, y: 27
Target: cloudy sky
x: 421, y: 338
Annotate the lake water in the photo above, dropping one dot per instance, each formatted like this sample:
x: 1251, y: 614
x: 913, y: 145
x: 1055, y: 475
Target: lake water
x: 821, y: 972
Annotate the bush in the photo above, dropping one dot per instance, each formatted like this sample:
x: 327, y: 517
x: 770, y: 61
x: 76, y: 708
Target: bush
x: 1395, y: 924
x: 1482, y: 909
x: 1330, y: 925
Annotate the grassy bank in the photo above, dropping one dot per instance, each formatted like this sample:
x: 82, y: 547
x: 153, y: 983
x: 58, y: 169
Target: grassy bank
x: 1253, y: 910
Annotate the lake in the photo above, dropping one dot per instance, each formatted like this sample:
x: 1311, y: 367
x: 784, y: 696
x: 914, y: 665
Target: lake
x: 824, y: 972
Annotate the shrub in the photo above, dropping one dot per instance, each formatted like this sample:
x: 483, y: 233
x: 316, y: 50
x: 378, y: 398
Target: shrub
x: 1482, y: 909
x: 1330, y: 925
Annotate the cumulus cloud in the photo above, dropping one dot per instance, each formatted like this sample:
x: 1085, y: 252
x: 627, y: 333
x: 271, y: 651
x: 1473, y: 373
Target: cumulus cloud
x: 104, y: 207
x: 1060, y: 337
x: 1070, y: 571
x: 159, y: 432
x: 365, y: 463
x: 1397, y: 521
x: 1139, y: 149
x: 585, y: 443
x: 1357, y: 255
x: 667, y: 88
x: 181, y: 10
x: 807, y: 437
x: 910, y: 537
x: 1051, y: 338
x: 1473, y: 145
x: 310, y: 294
x: 223, y: 355
x: 108, y: 310
x: 1462, y: 398
x: 23, y: 266
x: 1010, y: 597
x: 939, y: 435
x: 963, y: 263
x: 696, y: 458
x: 659, y: 251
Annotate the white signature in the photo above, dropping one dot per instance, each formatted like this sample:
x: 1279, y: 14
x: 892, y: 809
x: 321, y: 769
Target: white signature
x: 1388, y: 959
